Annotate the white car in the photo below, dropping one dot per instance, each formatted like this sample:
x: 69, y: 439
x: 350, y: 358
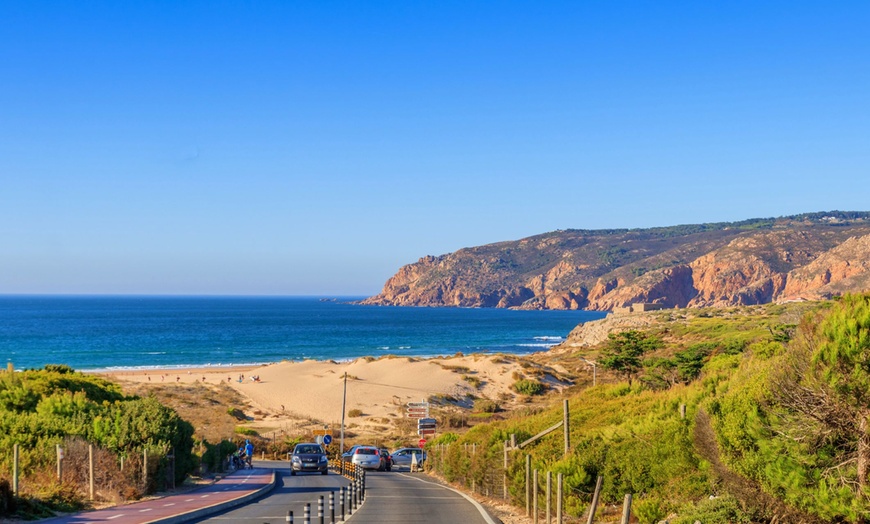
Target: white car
x: 367, y: 457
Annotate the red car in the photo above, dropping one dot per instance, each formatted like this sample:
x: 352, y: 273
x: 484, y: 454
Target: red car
x: 386, y: 460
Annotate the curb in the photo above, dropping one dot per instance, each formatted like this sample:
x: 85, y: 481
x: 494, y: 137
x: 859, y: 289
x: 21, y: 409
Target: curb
x: 217, y: 508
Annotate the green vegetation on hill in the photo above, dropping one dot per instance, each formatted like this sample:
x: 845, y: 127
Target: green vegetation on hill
x: 41, y: 409
x: 777, y: 425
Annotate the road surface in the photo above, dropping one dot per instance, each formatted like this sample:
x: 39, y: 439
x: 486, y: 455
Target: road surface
x: 391, y: 497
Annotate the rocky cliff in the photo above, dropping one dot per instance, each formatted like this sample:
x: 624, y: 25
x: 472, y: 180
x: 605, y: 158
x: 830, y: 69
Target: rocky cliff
x: 756, y: 261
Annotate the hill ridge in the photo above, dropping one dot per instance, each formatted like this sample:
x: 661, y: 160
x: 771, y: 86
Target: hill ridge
x: 808, y: 256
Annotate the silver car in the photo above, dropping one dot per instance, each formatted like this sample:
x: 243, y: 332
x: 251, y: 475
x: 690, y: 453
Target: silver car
x: 367, y: 457
x: 405, y: 456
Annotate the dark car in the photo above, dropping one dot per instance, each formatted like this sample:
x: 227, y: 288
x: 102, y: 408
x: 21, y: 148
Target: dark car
x: 309, y: 456
x: 386, y: 460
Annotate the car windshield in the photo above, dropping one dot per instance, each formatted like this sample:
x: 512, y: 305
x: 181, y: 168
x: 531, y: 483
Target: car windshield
x: 307, y: 450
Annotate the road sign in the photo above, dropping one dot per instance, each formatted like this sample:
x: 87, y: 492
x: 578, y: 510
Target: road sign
x: 417, y: 412
x: 319, y: 439
x: 426, y: 423
x: 327, y: 439
x: 424, y: 405
x: 421, y: 442
x: 423, y: 432
x: 322, y: 432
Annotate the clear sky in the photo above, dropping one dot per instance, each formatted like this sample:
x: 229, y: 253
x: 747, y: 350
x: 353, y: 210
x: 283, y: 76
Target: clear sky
x: 299, y: 148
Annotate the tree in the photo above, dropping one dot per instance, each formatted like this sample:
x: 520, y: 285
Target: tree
x: 824, y: 387
x: 623, y: 351
x: 842, y: 360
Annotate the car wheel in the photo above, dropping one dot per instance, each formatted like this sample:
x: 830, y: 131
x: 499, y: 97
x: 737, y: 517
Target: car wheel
x: 324, y: 472
x: 292, y: 473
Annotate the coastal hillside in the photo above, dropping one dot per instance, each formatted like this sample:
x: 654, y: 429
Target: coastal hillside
x: 802, y: 257
x: 749, y: 414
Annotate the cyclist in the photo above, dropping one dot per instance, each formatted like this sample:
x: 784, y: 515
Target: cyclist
x: 249, y: 453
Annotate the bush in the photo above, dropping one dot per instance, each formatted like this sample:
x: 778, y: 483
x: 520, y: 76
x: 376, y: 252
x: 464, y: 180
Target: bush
x: 650, y: 510
x: 486, y: 406
x: 528, y: 387
x: 719, y: 510
x: 474, y: 381
x: 355, y: 413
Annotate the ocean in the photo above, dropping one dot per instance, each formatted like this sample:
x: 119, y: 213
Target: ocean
x: 141, y: 332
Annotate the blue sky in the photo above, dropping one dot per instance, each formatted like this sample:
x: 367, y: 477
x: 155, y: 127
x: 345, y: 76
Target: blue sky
x: 315, y: 147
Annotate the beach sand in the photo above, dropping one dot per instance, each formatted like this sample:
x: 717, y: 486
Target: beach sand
x: 296, y: 395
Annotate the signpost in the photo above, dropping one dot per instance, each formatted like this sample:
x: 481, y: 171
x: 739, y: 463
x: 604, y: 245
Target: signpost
x: 417, y: 409
x: 426, y: 426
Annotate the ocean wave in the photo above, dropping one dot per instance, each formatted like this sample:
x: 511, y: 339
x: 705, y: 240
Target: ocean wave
x: 176, y: 367
x: 548, y: 338
x: 535, y: 345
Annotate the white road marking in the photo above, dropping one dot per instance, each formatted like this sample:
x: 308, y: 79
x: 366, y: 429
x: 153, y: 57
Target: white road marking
x: 476, y: 504
x: 113, y: 517
x: 144, y: 510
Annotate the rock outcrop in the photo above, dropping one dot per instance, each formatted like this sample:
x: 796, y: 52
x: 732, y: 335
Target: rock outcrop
x: 752, y: 262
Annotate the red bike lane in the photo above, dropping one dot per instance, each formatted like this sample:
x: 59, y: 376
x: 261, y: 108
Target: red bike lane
x: 236, y: 489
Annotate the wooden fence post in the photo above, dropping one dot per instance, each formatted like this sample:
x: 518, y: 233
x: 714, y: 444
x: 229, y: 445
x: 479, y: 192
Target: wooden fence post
x: 91, y: 469
x: 505, y: 475
x: 15, y: 469
x: 595, y: 497
x: 59, y: 453
x: 565, y: 426
x: 549, y: 492
x: 535, y: 496
x: 559, y: 481
x: 626, y: 509
x: 528, y: 485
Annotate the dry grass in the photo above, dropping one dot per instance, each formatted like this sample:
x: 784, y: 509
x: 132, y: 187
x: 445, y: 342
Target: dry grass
x: 205, y: 406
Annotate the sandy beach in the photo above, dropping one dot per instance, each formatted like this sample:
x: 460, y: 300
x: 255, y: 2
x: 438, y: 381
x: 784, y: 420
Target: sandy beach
x: 309, y: 394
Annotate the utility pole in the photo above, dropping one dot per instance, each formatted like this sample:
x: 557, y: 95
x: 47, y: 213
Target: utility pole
x: 343, y: 402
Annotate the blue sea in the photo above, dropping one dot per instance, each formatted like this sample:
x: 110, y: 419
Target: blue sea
x: 141, y: 332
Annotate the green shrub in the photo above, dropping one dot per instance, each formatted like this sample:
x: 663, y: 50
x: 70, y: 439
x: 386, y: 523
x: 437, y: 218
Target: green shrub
x: 529, y: 387
x: 486, y: 406
x: 241, y: 430
x: 355, y: 413
x: 650, y: 510
x: 471, y: 379
x: 720, y: 510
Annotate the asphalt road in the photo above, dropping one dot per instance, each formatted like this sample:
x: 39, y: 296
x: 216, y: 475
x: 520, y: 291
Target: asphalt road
x: 415, y: 498
x: 391, y: 497
x: 291, y: 493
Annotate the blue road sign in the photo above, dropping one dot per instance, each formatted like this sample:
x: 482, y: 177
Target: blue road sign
x: 327, y: 439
